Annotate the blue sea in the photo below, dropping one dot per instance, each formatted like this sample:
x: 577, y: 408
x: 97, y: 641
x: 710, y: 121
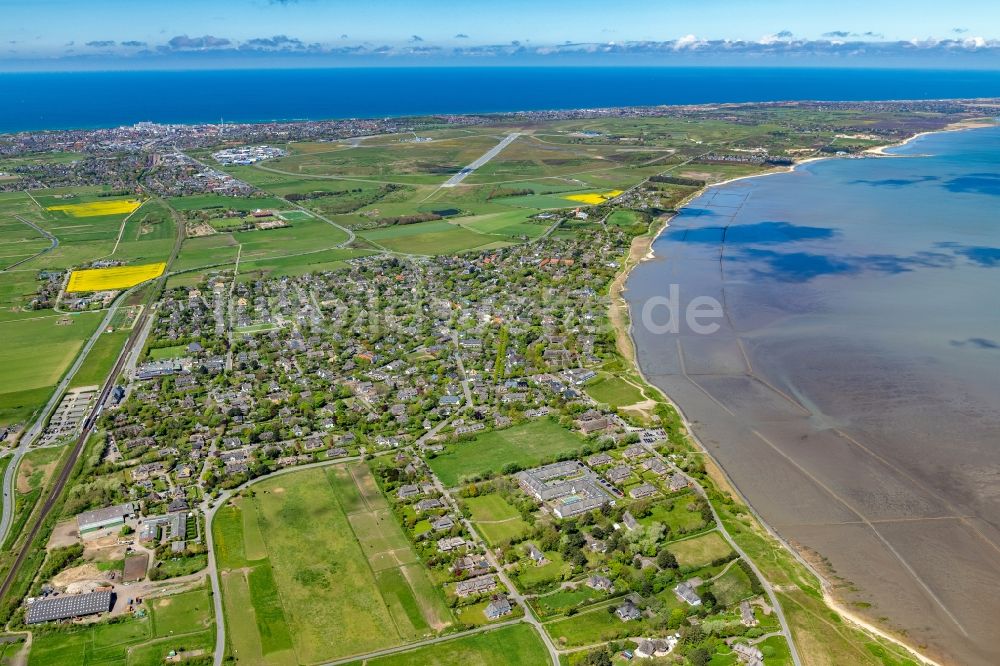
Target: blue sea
x: 852, y: 389
x: 33, y: 101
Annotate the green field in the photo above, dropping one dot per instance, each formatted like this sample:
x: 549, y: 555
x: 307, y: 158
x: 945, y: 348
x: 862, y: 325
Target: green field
x: 516, y: 644
x: 38, y: 348
x: 495, y: 519
x: 624, y: 218
x: 181, y: 622
x: 700, y: 550
x: 429, y: 238
x: 614, y: 391
x: 35, y: 354
x: 316, y: 568
x: 731, y: 586
x: 557, y: 603
x: 533, y: 576
x: 676, y: 514
x: 525, y: 445
x: 101, y: 359
x: 593, y: 626
x: 210, y: 201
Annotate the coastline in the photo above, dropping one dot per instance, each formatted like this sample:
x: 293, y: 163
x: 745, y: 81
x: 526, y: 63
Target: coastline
x: 959, y: 126
x: 619, y: 316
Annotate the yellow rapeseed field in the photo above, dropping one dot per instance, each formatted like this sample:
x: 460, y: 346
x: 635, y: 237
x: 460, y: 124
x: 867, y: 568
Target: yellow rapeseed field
x: 593, y: 198
x: 118, y: 277
x: 95, y: 208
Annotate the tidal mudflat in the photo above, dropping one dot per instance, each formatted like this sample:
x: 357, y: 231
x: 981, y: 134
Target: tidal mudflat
x: 852, y: 390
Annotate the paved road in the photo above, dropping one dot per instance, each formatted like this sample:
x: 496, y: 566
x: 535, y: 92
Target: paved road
x: 461, y: 370
x: 36, y: 428
x: 768, y: 589
x: 135, y: 339
x: 483, y: 159
x: 350, y: 234
x: 54, y: 243
x: 512, y: 592
x: 210, y: 508
x: 419, y: 644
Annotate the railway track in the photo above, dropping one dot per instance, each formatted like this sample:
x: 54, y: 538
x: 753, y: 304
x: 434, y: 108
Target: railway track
x: 67, y: 469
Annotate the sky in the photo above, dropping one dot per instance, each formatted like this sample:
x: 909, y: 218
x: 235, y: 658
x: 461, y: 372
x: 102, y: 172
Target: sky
x: 126, y: 34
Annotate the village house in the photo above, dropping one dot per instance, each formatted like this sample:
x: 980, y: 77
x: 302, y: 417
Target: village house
x: 748, y: 654
x: 498, y: 607
x: 618, y: 474
x: 602, y: 583
x: 645, y: 490
x: 628, y: 611
x: 686, y: 592
x: 449, y: 544
x: 537, y: 556
x: 678, y: 482
x: 476, y: 585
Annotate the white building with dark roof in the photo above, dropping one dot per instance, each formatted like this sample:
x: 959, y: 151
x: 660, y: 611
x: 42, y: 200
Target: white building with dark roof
x: 111, y: 517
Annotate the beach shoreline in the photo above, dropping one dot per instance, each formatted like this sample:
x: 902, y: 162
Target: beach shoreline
x: 619, y: 315
x: 959, y: 126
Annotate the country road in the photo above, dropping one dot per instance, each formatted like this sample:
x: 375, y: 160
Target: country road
x: 350, y: 234
x: 36, y: 428
x: 53, y: 243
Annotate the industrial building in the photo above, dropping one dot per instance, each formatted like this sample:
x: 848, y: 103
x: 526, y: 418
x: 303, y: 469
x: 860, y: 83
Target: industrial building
x: 90, y: 522
x: 65, y: 606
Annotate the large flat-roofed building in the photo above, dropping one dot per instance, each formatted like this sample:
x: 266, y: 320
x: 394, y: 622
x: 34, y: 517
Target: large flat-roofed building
x: 570, y: 488
x: 67, y: 606
x: 99, y: 519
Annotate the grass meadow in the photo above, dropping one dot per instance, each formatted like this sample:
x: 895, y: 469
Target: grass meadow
x: 316, y: 568
x: 515, y: 644
x: 178, y: 622
x: 526, y: 445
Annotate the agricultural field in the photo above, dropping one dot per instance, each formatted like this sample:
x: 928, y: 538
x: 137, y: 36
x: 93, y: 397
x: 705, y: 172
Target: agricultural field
x: 101, y: 359
x: 88, y: 223
x: 35, y: 354
x: 367, y: 184
x: 525, y: 445
x: 593, y: 198
x: 516, y: 644
x: 116, y: 277
x: 297, y: 591
x: 495, y: 519
x: 217, y: 201
x: 181, y: 622
x: 431, y: 238
x: 97, y: 208
x: 18, y: 240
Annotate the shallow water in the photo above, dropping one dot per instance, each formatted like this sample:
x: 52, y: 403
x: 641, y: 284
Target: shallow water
x: 852, y: 391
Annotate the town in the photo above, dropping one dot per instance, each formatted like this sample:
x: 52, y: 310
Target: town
x: 364, y: 390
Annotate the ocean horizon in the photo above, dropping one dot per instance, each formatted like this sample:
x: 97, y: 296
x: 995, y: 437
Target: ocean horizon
x: 87, y: 100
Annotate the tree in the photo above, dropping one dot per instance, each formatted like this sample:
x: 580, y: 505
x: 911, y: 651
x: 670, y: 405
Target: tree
x: 666, y: 560
x: 598, y: 657
x: 699, y: 657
